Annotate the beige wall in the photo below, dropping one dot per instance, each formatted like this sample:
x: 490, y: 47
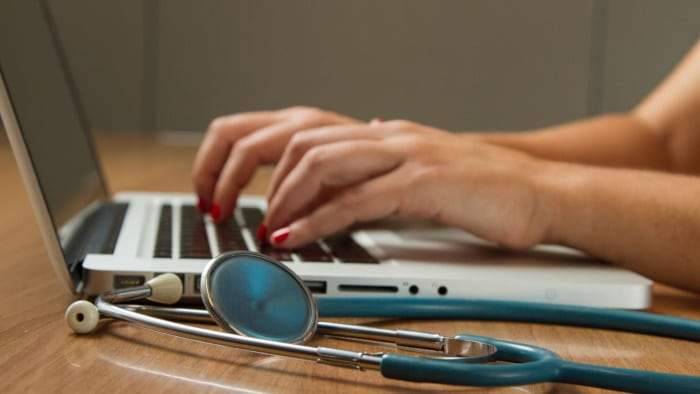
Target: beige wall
x: 457, y: 64
x: 645, y: 40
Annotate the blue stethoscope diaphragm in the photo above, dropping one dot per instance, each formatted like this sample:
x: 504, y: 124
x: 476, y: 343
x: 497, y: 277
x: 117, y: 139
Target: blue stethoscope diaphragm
x: 253, y: 295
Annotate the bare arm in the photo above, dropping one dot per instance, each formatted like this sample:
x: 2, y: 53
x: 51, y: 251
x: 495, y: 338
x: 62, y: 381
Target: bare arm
x: 647, y: 221
x: 662, y: 133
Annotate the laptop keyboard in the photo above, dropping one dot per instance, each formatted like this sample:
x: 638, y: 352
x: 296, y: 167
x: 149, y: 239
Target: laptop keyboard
x: 229, y: 235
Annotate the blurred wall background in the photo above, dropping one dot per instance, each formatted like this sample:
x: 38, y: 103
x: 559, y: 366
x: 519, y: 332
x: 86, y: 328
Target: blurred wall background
x: 155, y: 65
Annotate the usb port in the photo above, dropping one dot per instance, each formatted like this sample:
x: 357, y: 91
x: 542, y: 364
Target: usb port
x: 316, y: 286
x: 122, y: 281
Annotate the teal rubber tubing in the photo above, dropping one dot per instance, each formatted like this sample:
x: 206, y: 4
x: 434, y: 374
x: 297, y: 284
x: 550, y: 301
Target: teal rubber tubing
x: 631, y: 380
x: 612, y: 319
x: 533, y: 365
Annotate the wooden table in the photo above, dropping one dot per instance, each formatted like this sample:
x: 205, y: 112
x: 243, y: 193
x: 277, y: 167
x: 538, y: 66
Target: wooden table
x: 38, y: 353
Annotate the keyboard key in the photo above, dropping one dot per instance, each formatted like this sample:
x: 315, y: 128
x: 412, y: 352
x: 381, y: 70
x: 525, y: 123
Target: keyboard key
x: 277, y: 254
x: 253, y: 218
x: 164, y: 238
x: 193, y: 235
x: 229, y: 236
x: 313, y: 252
x: 347, y: 250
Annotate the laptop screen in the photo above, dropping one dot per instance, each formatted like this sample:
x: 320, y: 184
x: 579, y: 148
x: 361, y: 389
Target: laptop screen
x: 47, y: 111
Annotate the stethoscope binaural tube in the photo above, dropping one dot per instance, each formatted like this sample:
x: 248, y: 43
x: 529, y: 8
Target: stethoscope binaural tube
x: 264, y: 289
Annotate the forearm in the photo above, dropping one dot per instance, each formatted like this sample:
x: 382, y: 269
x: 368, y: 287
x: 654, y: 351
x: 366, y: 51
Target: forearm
x: 643, y: 220
x: 620, y: 140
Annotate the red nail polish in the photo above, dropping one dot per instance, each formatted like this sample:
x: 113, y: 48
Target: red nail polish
x: 376, y: 121
x: 215, y: 211
x: 201, y: 205
x: 262, y: 232
x: 280, y: 235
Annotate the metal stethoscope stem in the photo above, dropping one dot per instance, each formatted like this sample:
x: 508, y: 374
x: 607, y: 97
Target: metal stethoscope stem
x: 157, y: 318
x: 357, y: 360
x: 419, y: 341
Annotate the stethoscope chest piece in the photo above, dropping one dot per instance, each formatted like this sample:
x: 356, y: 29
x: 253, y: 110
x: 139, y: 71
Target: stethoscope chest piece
x: 253, y: 295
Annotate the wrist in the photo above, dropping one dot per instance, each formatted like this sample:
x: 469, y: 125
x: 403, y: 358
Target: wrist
x: 560, y: 189
x: 530, y: 203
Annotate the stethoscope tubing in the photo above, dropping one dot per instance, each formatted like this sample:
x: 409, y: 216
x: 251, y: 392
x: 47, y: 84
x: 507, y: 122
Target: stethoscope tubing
x: 532, y: 365
x: 496, y: 310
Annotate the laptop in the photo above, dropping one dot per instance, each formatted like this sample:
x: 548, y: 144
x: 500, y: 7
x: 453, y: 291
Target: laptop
x: 97, y: 241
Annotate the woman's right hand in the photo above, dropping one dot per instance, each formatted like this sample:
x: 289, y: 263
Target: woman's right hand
x: 331, y: 178
x: 235, y: 145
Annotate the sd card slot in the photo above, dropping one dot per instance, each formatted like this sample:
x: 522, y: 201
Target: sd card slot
x: 368, y: 288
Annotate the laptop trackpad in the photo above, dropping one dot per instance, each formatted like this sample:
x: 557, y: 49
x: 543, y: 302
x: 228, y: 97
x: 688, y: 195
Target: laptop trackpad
x: 430, y: 242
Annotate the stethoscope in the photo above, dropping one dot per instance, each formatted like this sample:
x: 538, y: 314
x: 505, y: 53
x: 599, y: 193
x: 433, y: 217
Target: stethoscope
x: 266, y: 308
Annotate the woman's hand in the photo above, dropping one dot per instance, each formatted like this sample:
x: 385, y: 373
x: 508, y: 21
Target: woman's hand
x: 332, y: 177
x: 235, y: 145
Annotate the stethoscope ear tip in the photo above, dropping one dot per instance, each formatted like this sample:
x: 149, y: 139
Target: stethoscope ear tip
x: 82, y: 317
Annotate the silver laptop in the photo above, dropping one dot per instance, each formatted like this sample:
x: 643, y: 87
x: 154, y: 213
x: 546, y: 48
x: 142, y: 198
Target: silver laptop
x: 97, y: 242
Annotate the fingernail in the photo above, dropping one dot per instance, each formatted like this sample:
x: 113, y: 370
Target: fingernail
x: 201, y: 205
x: 215, y: 211
x: 280, y: 235
x: 376, y: 121
x: 262, y: 232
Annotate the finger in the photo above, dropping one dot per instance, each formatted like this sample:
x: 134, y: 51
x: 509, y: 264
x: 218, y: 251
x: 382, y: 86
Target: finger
x: 370, y: 200
x: 302, y: 142
x: 220, y: 137
x: 337, y: 164
x: 263, y: 147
